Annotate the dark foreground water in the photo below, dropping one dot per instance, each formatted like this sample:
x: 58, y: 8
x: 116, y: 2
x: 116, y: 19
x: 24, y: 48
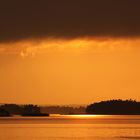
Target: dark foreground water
x: 75, y: 127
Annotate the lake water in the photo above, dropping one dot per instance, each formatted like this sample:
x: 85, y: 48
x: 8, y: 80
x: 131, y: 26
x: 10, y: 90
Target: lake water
x: 66, y: 127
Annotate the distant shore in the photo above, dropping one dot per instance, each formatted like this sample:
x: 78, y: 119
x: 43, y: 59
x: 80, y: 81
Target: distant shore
x: 114, y: 107
x: 109, y: 107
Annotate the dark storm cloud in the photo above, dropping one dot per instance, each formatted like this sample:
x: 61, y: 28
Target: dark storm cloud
x: 21, y: 19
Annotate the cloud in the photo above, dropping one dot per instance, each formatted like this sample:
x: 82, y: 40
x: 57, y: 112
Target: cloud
x: 68, y: 18
x: 31, y: 48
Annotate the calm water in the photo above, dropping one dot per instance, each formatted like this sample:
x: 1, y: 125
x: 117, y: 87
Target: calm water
x: 71, y: 128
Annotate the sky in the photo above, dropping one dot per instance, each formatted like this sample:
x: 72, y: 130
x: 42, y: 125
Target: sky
x: 69, y: 52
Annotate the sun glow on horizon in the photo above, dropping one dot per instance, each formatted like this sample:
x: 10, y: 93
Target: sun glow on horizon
x: 85, y: 116
x: 79, y: 116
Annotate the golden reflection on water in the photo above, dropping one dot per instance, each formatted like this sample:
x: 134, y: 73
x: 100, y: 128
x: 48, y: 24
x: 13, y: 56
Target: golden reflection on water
x: 85, y: 116
x: 71, y: 127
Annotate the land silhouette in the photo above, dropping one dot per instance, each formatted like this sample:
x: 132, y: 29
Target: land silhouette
x: 23, y: 110
x: 109, y: 107
x: 63, y: 109
x: 35, y: 110
x: 32, y: 110
x: 4, y: 113
x: 114, y: 107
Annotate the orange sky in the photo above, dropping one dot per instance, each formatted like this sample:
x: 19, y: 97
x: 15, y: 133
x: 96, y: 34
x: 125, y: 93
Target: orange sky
x: 76, y: 71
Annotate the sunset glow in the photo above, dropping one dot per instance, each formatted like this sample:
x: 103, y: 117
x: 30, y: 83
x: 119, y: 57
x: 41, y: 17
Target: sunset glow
x: 32, y: 47
x: 107, y: 67
x: 69, y: 69
x: 85, y: 116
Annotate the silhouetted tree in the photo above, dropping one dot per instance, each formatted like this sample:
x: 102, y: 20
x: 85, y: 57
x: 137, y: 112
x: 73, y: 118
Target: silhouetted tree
x: 12, y: 108
x: 116, y: 107
x: 25, y: 110
x: 63, y: 109
x: 4, y: 113
x: 31, y: 109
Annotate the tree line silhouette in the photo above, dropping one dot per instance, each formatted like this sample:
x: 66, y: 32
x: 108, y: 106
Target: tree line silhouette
x: 109, y: 107
x: 34, y: 110
x: 114, y: 107
x: 24, y: 110
x: 63, y: 109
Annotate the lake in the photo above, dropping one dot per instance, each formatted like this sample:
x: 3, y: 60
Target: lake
x: 71, y: 127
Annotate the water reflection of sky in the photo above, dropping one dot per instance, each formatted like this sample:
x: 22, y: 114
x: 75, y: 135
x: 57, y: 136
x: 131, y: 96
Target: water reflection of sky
x: 74, y: 119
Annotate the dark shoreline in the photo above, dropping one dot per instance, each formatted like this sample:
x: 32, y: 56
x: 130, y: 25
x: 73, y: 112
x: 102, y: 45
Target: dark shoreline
x: 35, y: 115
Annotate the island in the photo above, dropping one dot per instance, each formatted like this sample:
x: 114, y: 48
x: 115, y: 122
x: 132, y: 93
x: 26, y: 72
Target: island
x: 4, y: 113
x: 114, y: 107
x: 28, y: 110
